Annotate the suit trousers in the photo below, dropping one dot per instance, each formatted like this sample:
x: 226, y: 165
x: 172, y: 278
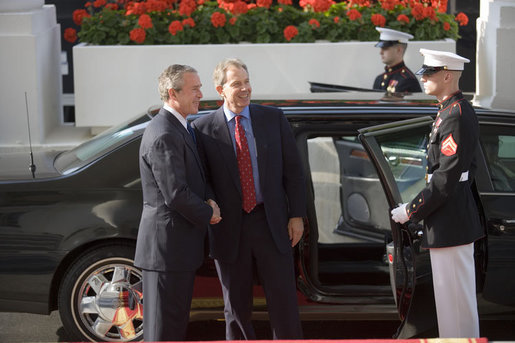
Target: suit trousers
x: 454, y: 283
x: 166, y: 304
x: 276, y: 273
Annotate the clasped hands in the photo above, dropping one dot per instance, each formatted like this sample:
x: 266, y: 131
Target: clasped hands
x: 216, y: 217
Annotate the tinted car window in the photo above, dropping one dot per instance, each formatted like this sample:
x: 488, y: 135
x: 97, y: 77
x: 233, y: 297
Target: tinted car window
x: 406, y: 156
x: 499, y: 146
x: 96, y: 147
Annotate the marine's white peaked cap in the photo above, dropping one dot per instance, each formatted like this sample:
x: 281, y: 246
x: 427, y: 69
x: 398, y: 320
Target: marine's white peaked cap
x: 448, y: 60
x: 392, y: 37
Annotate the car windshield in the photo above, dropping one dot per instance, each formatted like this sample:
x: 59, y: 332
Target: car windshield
x: 98, y: 146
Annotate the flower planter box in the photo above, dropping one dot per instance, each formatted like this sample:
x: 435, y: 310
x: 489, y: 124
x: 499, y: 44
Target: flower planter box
x: 114, y: 83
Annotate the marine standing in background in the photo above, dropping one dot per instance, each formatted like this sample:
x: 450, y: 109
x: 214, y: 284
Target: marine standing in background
x: 397, y: 78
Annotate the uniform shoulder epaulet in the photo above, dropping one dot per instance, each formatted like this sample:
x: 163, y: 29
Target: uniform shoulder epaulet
x: 456, y: 108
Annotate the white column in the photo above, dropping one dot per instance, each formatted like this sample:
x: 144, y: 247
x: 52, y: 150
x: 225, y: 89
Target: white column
x: 495, y: 70
x: 30, y: 56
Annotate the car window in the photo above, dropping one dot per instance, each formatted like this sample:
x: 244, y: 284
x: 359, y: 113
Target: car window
x: 498, y: 144
x: 99, y: 145
x: 405, y: 153
x: 349, y: 200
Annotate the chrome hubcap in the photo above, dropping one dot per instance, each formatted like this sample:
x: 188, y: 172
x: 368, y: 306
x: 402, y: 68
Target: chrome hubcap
x: 110, y: 302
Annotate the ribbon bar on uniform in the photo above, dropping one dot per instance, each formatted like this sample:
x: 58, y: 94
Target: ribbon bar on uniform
x: 464, y: 177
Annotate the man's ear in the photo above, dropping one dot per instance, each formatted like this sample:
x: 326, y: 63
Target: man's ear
x: 220, y: 90
x: 171, y: 94
x: 448, y: 76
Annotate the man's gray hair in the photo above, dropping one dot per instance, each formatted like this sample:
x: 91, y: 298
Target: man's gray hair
x: 219, y: 75
x: 173, y: 78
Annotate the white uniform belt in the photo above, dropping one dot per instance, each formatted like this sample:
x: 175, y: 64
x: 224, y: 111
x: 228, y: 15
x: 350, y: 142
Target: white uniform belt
x: 464, y: 176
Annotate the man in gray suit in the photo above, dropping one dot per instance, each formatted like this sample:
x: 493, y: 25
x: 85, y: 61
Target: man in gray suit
x: 255, y: 174
x: 170, y: 244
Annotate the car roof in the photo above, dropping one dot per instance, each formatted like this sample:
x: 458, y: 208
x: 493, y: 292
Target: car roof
x: 354, y: 101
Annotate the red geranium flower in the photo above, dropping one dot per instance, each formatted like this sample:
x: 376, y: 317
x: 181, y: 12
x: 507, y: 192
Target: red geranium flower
x: 78, y: 15
x: 418, y: 11
x: 388, y: 5
x: 138, y: 35
x: 336, y: 20
x: 87, y: 4
x: 99, y: 3
x: 264, y: 3
x: 174, y: 27
x: 232, y: 21
x: 440, y: 5
x: 290, y: 32
x: 251, y: 6
x: 316, y: 5
x: 188, y: 22
x: 429, y: 12
x: 284, y: 2
x: 145, y: 21
x: 187, y: 7
x: 378, y: 19
x: 314, y: 23
x: 236, y: 7
x: 353, y: 14
x: 446, y: 26
x: 113, y: 7
x: 70, y: 35
x: 157, y: 5
x: 218, y: 19
x: 137, y: 8
x: 462, y: 19
x: 403, y: 18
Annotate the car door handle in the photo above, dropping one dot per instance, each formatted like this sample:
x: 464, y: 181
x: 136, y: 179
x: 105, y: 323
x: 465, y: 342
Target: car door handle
x: 502, y: 226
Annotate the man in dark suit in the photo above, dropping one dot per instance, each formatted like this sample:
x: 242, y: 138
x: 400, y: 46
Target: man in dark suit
x: 254, y: 169
x: 397, y: 78
x: 170, y: 244
x: 447, y: 204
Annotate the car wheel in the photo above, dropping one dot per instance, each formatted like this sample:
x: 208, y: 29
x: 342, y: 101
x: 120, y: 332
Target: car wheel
x: 100, y: 298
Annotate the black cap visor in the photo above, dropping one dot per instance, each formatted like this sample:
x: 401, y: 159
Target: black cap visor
x: 386, y: 43
x: 427, y: 70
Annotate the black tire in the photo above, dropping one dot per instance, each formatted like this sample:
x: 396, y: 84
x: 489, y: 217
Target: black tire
x: 100, y: 296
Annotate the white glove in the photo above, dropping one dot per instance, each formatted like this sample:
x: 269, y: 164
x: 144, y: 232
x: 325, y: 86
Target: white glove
x: 399, y: 214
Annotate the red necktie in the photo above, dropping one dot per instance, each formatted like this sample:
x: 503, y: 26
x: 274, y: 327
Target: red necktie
x: 245, y: 167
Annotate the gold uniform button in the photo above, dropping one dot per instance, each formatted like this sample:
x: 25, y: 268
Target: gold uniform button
x: 419, y: 200
x: 390, y: 70
x: 403, y: 71
x: 382, y: 83
x: 413, y: 205
x: 385, y: 76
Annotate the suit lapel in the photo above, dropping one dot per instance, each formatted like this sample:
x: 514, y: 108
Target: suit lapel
x: 186, y: 136
x: 221, y: 130
x: 259, y: 130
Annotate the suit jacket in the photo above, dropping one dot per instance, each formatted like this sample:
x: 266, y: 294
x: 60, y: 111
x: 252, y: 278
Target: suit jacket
x: 280, y: 173
x: 397, y: 79
x: 447, y: 205
x: 175, y: 217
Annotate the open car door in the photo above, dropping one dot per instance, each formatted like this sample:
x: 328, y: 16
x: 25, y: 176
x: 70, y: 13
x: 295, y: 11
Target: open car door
x: 398, y: 151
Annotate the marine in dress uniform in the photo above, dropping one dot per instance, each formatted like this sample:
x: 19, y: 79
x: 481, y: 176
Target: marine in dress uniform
x: 397, y: 78
x: 446, y: 204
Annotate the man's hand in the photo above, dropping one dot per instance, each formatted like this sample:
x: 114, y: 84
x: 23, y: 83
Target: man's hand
x: 295, y: 230
x: 399, y: 214
x: 215, y: 219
